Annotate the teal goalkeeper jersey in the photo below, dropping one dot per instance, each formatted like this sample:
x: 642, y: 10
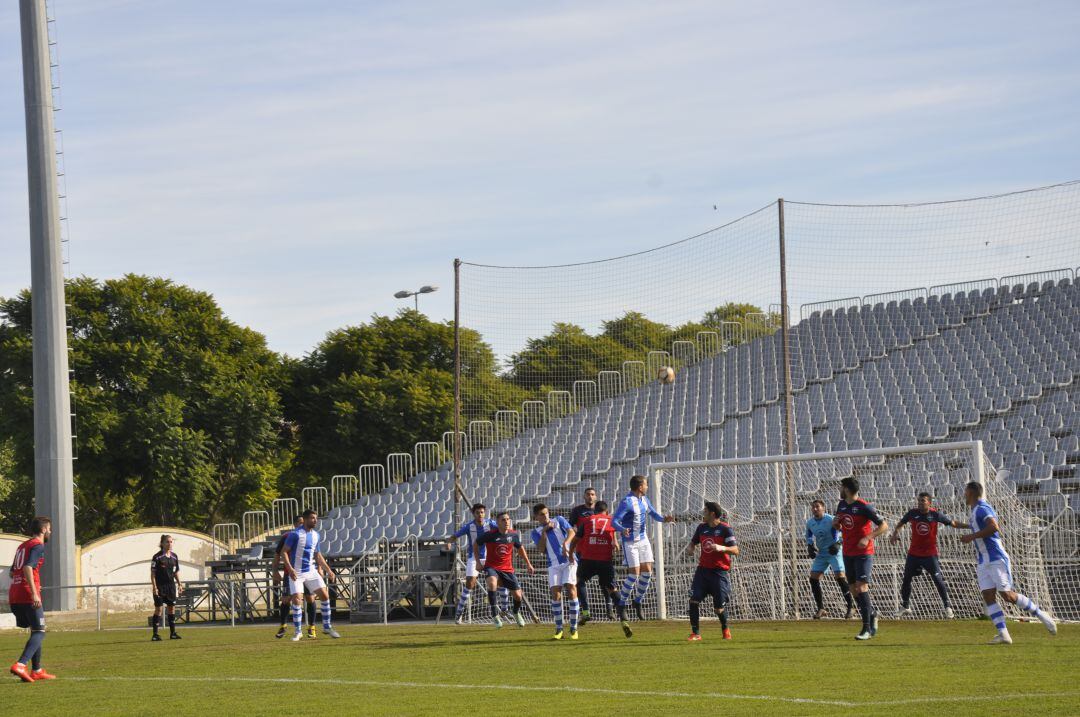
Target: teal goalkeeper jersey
x: 820, y: 533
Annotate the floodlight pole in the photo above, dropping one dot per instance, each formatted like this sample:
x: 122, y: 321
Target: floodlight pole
x: 53, y: 474
x: 789, y: 410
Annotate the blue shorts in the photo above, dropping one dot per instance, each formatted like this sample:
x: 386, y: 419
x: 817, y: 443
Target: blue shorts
x: 914, y: 565
x: 824, y: 562
x: 26, y: 615
x: 711, y: 582
x: 506, y: 579
x: 858, y: 567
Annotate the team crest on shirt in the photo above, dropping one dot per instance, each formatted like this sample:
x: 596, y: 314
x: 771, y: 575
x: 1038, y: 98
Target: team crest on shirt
x: 847, y: 521
x: 922, y: 528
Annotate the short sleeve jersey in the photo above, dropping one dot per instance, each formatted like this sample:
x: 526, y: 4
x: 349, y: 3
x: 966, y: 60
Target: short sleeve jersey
x: 552, y: 540
x: 820, y: 533
x: 706, y: 537
x: 473, y: 530
x: 579, y: 512
x: 165, y: 567
x: 924, y: 529
x: 855, y: 524
x: 500, y: 549
x: 303, y: 546
x: 989, y: 549
x: 596, y: 539
x: 32, y: 553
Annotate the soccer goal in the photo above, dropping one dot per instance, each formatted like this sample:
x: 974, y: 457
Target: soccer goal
x: 768, y: 499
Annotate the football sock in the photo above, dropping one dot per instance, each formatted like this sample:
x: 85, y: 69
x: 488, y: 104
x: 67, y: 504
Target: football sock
x: 993, y: 611
x: 283, y: 613
x: 462, y: 601
x: 326, y: 614
x: 491, y: 601
x: 32, y: 647
x: 642, y: 586
x: 311, y: 613
x: 723, y: 618
x: 942, y: 589
x: 517, y: 605
x: 583, y: 597
x: 156, y: 623
x: 815, y: 587
x: 297, y: 617
x: 573, y: 605
x: 845, y: 589
x: 556, y: 610
x: 1027, y: 605
x: 905, y: 591
x: 504, y: 599
x: 620, y: 608
x: 695, y: 618
x: 171, y: 619
x: 35, y: 661
x: 866, y: 608
x: 627, y: 589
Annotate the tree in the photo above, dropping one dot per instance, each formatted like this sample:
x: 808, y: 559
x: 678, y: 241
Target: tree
x: 567, y: 354
x: 179, y: 421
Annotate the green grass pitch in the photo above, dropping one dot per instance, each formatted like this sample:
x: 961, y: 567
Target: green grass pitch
x: 807, y: 668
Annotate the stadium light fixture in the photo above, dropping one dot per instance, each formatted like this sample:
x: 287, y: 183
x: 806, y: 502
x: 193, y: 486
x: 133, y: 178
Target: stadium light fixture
x: 405, y: 294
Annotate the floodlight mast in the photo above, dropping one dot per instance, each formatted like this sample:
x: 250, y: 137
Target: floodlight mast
x: 53, y: 474
x: 405, y: 294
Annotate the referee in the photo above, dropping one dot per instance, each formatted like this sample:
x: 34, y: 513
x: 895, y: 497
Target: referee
x: 165, y: 579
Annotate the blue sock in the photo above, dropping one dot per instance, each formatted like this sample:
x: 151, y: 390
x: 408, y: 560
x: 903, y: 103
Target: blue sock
x: 298, y: 617
x: 504, y: 599
x: 994, y: 612
x: 1028, y: 605
x: 556, y: 611
x: 32, y: 647
x: 326, y: 614
x: 627, y: 589
x: 463, y: 600
x: 575, y: 609
x: 642, y: 586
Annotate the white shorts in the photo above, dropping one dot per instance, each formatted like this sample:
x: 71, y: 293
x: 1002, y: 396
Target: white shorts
x: 995, y: 574
x: 565, y: 574
x: 636, y: 552
x: 310, y: 580
x: 472, y: 570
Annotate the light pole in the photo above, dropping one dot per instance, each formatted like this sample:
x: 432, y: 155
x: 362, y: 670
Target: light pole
x: 403, y: 294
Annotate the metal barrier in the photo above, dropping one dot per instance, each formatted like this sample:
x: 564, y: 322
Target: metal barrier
x: 254, y: 523
x: 507, y: 424
x: 897, y: 297
x: 315, y: 498
x: 611, y: 384
x: 226, y: 535
x: 399, y: 467
x: 534, y: 413
x: 684, y: 353
x: 282, y: 513
x: 373, y: 478
x: 586, y: 393
x: 709, y: 343
x: 427, y: 456
x: 731, y: 334
x: 344, y: 490
x: 654, y: 361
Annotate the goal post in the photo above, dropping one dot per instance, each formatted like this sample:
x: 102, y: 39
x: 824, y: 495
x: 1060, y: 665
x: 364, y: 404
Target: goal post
x: 770, y: 583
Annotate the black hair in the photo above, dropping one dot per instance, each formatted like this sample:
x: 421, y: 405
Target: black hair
x: 476, y: 507
x: 501, y: 513
x: 601, y: 506
x: 588, y: 489
x: 636, y: 482
x: 538, y: 508
x: 924, y: 494
x: 817, y: 501
x: 852, y: 485
x: 309, y: 512
x: 714, y: 508
x: 37, y: 525
x: 975, y: 487
x: 297, y: 519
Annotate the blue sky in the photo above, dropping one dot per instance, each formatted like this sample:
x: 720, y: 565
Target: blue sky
x: 303, y: 162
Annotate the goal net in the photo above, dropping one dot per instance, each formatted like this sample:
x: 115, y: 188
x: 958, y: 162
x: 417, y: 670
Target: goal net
x: 767, y: 501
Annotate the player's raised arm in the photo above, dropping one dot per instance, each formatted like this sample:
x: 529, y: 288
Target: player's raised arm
x: 655, y: 514
x: 989, y: 528
x: 895, y: 537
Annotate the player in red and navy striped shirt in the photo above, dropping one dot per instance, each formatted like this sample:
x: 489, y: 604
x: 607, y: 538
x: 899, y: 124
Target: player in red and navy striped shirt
x: 717, y: 543
x: 24, y: 596
x: 501, y: 544
x: 923, y: 551
x: 859, y: 524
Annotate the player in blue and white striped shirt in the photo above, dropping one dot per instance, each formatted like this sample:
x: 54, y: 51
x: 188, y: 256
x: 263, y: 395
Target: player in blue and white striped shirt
x: 993, y: 568
x: 472, y: 530
x: 553, y: 536
x: 302, y: 561
x: 631, y: 520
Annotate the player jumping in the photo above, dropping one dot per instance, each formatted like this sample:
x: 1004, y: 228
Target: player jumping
x: 553, y: 536
x: 593, y: 538
x: 302, y: 561
x: 993, y: 568
x: 853, y: 517
x: 24, y: 596
x: 577, y: 514
x: 631, y: 517
x: 823, y: 546
x: 165, y: 580
x: 499, y: 565
x: 923, y: 551
x: 711, y: 577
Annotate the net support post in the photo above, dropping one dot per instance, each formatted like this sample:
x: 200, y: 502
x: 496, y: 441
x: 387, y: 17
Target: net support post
x: 661, y: 588
x: 978, y: 460
x: 780, y: 543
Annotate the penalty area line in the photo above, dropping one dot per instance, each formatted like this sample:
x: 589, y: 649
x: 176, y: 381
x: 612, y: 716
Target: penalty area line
x: 586, y: 690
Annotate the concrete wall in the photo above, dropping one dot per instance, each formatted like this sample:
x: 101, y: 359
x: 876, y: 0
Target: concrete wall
x: 122, y: 558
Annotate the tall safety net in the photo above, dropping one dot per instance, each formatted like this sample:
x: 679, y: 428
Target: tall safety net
x: 768, y: 502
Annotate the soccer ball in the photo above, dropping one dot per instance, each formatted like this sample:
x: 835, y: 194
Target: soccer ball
x: 666, y: 374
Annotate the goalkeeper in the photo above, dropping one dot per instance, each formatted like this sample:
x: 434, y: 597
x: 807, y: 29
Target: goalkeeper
x: 823, y: 546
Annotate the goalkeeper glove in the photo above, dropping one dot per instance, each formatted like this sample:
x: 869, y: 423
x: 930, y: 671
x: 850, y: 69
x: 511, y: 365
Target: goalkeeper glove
x: 812, y: 551
x: 834, y: 548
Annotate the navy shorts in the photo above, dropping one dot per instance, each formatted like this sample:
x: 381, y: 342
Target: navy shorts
x: 506, y: 579
x: 708, y: 581
x: 858, y: 567
x: 26, y: 615
x: 915, y: 565
x: 602, y: 569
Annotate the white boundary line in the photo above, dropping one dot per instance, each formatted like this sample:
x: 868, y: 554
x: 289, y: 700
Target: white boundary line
x: 585, y: 690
